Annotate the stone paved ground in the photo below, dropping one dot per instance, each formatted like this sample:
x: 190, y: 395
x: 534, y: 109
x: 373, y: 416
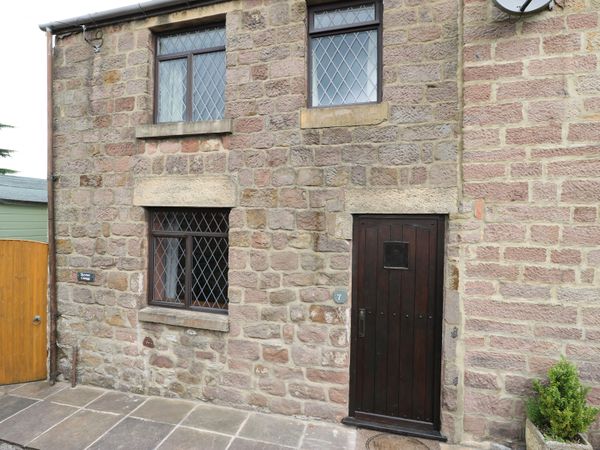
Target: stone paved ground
x: 39, y: 416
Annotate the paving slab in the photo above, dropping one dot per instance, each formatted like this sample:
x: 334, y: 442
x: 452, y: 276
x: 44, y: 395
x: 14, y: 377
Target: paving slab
x: 79, y: 396
x: 190, y: 439
x: 117, y: 402
x: 76, y: 432
x: 318, y: 437
x: 275, y: 430
x: 133, y: 434
x: 10, y: 404
x: 5, y: 446
x: 215, y: 418
x: 26, y: 425
x: 248, y: 444
x: 6, y: 388
x: 166, y: 410
x: 38, y: 389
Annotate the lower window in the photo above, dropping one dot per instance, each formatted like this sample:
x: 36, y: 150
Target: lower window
x: 188, y: 258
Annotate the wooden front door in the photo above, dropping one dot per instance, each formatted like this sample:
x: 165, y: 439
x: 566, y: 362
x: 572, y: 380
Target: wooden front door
x: 23, y: 287
x: 396, y: 324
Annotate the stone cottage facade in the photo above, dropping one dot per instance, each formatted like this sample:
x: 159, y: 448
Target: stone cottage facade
x: 481, y: 125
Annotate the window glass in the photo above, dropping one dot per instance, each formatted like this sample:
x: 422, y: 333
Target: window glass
x: 169, y: 270
x: 172, y: 90
x: 209, y: 86
x: 345, y: 68
x: 344, y: 16
x: 192, y: 41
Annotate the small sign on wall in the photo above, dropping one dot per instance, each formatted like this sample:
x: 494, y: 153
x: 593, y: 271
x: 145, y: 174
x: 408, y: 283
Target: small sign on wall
x: 340, y: 296
x: 87, y: 277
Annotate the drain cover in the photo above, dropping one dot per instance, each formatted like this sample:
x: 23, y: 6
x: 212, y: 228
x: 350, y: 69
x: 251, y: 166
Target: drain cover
x: 391, y: 442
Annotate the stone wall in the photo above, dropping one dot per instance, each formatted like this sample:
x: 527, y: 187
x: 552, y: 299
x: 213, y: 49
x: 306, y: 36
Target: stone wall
x: 529, y: 275
x: 287, y: 349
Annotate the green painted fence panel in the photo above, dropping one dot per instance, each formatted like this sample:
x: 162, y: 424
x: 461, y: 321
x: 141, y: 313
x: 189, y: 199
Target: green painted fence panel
x: 24, y: 221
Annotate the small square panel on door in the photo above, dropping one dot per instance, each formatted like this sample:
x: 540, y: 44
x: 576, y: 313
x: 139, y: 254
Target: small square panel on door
x: 395, y: 255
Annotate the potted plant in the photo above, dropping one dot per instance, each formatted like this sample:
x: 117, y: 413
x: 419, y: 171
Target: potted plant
x: 558, y: 413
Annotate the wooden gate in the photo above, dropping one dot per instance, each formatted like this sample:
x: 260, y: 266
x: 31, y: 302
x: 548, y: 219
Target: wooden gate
x: 396, y: 324
x: 23, y: 304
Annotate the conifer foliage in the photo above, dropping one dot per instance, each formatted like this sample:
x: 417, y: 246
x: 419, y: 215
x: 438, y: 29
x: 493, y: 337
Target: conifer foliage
x: 5, y: 153
x: 559, y: 407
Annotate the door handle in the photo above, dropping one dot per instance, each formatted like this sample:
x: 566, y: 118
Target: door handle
x: 362, y: 316
x: 36, y: 320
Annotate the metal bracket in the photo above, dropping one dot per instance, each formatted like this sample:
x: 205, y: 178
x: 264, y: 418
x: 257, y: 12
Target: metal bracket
x: 96, y: 41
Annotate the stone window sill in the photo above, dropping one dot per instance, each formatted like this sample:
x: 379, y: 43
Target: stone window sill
x: 345, y: 116
x: 163, y: 130
x: 186, y: 319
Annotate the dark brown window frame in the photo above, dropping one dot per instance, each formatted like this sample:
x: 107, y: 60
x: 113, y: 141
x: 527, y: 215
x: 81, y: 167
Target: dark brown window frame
x: 188, y: 236
x: 376, y: 24
x: 189, y: 56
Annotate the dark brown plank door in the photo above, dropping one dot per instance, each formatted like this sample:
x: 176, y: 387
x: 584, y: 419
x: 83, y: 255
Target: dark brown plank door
x: 396, y: 322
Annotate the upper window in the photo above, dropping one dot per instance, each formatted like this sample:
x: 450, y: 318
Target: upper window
x: 188, y: 258
x: 191, y: 75
x: 345, y: 53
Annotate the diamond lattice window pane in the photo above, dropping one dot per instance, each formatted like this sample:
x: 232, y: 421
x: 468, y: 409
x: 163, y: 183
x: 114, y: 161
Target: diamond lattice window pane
x: 344, y: 16
x: 344, y: 68
x: 169, y: 270
x: 191, y: 221
x: 172, y: 90
x: 191, y: 41
x: 208, y: 78
x: 209, y: 272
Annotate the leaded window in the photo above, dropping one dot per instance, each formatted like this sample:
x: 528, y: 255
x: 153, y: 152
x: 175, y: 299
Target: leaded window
x: 191, y: 75
x: 189, y: 258
x: 345, y: 53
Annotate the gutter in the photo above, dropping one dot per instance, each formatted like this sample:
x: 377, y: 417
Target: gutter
x: 122, y: 14
x: 52, y: 298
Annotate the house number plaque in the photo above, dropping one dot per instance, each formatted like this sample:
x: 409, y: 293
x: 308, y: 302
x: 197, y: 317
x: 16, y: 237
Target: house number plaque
x: 340, y: 296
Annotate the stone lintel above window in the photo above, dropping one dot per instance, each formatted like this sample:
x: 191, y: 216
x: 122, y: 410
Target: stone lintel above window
x: 204, y: 191
x: 185, y: 318
x: 164, y: 130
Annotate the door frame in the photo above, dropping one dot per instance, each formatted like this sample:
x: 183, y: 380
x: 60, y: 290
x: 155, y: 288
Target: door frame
x: 408, y: 427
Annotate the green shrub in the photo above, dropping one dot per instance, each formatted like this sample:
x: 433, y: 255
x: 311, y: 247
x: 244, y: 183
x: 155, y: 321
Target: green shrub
x: 559, y: 409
